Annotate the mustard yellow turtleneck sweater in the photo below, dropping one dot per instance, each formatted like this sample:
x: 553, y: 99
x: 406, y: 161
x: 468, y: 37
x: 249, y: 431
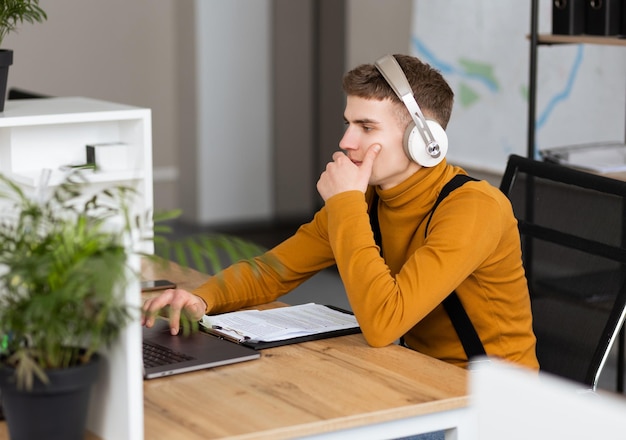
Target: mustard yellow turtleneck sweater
x: 473, y: 247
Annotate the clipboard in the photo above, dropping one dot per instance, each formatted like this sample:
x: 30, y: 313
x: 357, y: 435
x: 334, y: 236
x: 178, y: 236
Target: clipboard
x: 239, y: 338
x: 260, y: 345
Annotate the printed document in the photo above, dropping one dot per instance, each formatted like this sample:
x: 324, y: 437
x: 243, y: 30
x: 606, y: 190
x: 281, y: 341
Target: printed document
x: 279, y: 324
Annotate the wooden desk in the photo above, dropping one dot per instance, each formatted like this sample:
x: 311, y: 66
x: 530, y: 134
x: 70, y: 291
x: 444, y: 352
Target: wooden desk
x: 317, y: 388
x: 306, y: 389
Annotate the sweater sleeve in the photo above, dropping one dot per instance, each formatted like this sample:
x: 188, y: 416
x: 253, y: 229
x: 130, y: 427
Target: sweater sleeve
x: 276, y: 272
x: 461, y: 236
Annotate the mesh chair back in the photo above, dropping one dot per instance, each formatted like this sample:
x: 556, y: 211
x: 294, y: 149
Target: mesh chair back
x: 573, y: 242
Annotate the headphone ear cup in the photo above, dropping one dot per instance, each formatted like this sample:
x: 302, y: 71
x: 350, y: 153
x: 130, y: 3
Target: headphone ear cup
x: 415, y: 147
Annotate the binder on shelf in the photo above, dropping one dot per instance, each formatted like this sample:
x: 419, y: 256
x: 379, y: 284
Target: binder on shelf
x: 108, y: 156
x: 602, y: 157
x: 260, y: 329
x: 603, y: 17
x: 568, y: 17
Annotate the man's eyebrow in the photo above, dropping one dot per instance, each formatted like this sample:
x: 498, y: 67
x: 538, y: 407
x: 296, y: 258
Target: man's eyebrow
x: 364, y: 121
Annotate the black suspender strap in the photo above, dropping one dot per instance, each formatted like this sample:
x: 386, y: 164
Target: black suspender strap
x: 463, y: 325
x: 453, y: 306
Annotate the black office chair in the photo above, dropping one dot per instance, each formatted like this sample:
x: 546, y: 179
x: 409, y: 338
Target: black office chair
x: 573, y: 231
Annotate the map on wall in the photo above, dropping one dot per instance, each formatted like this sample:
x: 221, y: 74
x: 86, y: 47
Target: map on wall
x: 482, y: 49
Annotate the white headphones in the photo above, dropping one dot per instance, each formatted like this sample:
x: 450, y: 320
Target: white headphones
x: 425, y: 141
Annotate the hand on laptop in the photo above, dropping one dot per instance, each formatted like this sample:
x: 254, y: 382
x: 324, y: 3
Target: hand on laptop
x: 178, y: 301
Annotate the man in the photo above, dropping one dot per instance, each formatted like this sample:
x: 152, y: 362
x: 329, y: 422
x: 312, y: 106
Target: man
x: 471, y: 246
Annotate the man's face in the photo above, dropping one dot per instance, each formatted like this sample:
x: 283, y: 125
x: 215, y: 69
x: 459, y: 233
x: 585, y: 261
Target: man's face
x: 369, y: 122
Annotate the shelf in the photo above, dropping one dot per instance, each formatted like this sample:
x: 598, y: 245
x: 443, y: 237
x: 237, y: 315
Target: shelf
x: 75, y: 109
x: 580, y: 39
x: 52, y: 133
x: 536, y: 40
x: 30, y: 178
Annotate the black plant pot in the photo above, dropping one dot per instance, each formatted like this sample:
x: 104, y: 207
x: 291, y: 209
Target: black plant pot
x: 56, y: 411
x: 6, y: 59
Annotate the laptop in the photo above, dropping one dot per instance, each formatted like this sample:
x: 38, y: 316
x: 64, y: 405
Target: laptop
x: 165, y: 355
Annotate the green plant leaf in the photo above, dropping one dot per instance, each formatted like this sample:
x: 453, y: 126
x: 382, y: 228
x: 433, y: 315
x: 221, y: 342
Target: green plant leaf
x: 14, y: 13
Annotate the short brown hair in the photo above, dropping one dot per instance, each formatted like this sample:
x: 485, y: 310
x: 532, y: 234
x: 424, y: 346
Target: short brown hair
x: 430, y: 89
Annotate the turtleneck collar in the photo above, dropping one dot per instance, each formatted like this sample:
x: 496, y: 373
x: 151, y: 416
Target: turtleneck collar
x: 425, y: 184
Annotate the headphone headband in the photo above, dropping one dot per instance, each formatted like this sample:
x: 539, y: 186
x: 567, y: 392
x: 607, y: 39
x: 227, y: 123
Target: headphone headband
x: 392, y: 72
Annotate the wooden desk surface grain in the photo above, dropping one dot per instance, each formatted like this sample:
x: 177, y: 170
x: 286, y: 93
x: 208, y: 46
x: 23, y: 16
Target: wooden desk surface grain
x: 296, y: 390
x: 302, y: 389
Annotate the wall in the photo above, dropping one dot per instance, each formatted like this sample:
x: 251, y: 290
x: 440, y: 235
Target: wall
x: 233, y: 111
x: 111, y: 50
x: 482, y: 48
x: 293, y: 44
x: 315, y: 43
x: 187, y: 55
x: 376, y: 28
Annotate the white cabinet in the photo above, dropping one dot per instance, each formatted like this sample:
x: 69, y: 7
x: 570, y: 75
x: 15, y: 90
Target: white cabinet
x: 53, y: 133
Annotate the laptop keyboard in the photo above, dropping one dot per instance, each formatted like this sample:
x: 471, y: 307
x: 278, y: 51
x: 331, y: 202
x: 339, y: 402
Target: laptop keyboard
x: 155, y: 355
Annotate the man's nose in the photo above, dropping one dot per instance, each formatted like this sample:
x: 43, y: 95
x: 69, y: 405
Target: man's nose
x: 348, y: 141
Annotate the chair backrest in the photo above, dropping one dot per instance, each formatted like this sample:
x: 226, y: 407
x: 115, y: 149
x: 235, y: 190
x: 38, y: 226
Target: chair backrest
x: 572, y: 226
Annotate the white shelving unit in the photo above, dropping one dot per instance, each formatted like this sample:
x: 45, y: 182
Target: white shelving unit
x: 52, y: 133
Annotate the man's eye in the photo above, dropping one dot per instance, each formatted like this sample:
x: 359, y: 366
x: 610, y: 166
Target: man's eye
x: 367, y: 128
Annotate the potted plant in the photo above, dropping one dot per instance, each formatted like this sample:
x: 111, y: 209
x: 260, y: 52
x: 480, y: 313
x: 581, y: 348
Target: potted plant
x: 64, y: 254
x: 63, y: 270
x: 12, y: 14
